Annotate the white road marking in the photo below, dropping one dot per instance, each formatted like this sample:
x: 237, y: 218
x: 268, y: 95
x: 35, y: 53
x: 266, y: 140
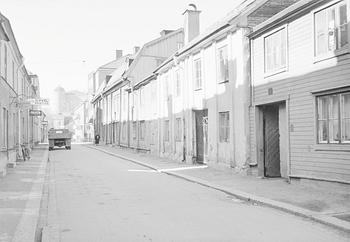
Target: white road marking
x: 169, y: 169
x: 182, y: 168
x: 149, y: 171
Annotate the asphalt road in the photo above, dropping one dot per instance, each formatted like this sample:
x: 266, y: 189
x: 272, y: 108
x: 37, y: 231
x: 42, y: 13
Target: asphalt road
x: 102, y: 198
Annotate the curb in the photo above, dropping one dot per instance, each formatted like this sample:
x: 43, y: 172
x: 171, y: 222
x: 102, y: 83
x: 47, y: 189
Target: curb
x: 27, y: 227
x: 285, y: 207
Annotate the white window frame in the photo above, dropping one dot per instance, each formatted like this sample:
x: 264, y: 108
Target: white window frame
x: 340, y: 120
x: 330, y: 54
x: 178, y: 84
x: 266, y: 35
x: 227, y: 128
x: 195, y: 77
x: 220, y: 46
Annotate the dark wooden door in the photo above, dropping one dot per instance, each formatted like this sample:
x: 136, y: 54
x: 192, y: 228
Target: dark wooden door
x: 271, y: 142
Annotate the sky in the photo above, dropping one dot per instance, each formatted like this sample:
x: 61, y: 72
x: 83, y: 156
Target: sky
x: 62, y: 41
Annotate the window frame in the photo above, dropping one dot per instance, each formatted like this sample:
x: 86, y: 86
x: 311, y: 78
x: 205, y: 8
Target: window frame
x: 142, y: 130
x: 268, y: 34
x: 195, y: 72
x: 220, y: 47
x: 225, y: 128
x: 340, y: 118
x: 178, y: 129
x: 166, y: 129
x: 178, y: 83
x: 338, y: 52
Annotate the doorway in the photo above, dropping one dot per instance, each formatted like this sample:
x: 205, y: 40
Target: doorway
x: 201, y: 129
x: 271, y: 141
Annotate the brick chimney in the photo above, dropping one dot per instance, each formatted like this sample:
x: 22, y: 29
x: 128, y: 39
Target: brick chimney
x: 191, y: 24
x: 118, y: 54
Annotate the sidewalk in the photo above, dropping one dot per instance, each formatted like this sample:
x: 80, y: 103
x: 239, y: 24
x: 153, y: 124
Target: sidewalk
x: 323, y: 204
x: 20, y: 197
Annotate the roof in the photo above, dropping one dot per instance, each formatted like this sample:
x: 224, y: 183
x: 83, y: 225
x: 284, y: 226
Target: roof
x: 117, y: 74
x: 120, y: 66
x: 145, y: 46
x: 245, y: 7
x: 6, y: 27
x: 231, y: 22
x: 284, y: 15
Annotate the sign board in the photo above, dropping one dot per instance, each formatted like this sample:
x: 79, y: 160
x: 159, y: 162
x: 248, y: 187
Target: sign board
x: 35, y: 112
x: 39, y: 101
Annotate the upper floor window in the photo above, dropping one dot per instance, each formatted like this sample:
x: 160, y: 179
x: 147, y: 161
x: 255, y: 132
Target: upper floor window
x: 275, y: 49
x: 223, y: 64
x: 198, y: 74
x: 333, y: 118
x: 331, y: 29
x: 5, y: 62
x: 178, y: 83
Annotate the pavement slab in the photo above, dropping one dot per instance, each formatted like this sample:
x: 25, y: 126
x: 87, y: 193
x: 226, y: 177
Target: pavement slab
x: 20, y: 197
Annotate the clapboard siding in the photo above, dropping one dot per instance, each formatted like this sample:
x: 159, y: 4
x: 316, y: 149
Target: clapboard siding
x: 303, y: 77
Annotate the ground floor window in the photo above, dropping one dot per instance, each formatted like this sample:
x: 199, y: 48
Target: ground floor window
x: 178, y: 129
x: 4, y: 127
x: 333, y: 118
x: 142, y: 129
x: 166, y: 130
x: 224, y: 127
x: 134, y: 130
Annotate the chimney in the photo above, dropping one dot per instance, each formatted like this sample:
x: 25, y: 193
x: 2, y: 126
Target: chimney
x: 136, y: 49
x: 191, y: 25
x: 165, y: 32
x: 118, y: 54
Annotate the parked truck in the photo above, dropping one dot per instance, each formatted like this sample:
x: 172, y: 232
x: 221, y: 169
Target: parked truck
x: 60, y: 138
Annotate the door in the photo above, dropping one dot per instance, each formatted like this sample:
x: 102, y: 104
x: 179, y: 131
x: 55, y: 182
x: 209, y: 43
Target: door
x: 271, y: 136
x: 200, y: 121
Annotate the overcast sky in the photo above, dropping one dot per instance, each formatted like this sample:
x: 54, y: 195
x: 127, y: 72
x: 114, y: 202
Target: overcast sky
x: 64, y: 40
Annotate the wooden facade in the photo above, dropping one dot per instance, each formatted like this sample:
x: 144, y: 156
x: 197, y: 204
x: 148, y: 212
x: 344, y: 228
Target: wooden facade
x: 294, y: 89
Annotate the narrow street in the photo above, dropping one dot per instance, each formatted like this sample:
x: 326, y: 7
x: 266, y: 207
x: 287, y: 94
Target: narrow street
x: 102, y: 198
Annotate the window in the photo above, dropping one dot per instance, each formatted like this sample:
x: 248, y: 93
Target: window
x: 166, y: 87
x: 134, y: 130
x: 124, y: 130
x: 13, y: 76
x: 331, y: 29
x: 178, y: 83
x: 197, y: 74
x: 142, y: 129
x: 224, y: 127
x: 223, y: 64
x: 333, y: 118
x: 166, y: 130
x: 178, y: 129
x: 275, y: 47
x: 5, y: 62
x: 4, y: 127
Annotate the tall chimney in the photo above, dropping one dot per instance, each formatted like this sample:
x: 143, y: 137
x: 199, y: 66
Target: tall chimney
x: 118, y: 54
x: 191, y: 25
